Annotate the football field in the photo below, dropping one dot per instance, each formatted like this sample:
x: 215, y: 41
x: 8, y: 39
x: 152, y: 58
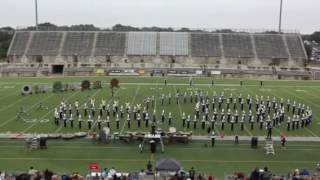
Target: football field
x: 134, y: 89
x: 225, y: 157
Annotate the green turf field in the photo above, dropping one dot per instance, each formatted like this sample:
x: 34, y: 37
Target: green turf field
x: 224, y: 158
x: 133, y: 90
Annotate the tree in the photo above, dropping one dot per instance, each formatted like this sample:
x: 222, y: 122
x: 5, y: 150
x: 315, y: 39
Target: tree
x: 312, y: 37
x: 120, y: 27
x: 6, y: 35
x: 308, y: 48
x: 315, y: 36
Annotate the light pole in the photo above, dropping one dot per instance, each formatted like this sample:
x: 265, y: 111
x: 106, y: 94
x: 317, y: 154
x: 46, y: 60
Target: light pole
x: 280, y: 16
x: 36, y: 9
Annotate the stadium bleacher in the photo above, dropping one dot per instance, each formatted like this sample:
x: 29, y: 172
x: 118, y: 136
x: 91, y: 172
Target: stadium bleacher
x: 19, y: 43
x: 205, y: 44
x: 233, y: 45
x: 270, y: 46
x: 295, y: 46
x: 174, y: 43
x: 142, y: 43
x: 237, y: 45
x: 45, y: 43
x: 78, y: 43
x: 221, y: 51
x: 110, y: 44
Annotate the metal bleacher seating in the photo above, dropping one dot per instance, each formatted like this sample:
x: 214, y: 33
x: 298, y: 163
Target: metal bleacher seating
x: 205, y: 44
x: 78, y: 43
x: 174, y: 43
x: 237, y: 45
x: 142, y: 43
x: 45, y: 43
x: 295, y: 46
x: 19, y: 43
x: 200, y: 44
x: 270, y: 46
x: 110, y: 44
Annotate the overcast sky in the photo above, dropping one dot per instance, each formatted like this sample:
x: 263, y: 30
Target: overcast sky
x: 302, y: 15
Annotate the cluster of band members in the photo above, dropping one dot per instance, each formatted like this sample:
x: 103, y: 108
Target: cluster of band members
x: 210, y: 111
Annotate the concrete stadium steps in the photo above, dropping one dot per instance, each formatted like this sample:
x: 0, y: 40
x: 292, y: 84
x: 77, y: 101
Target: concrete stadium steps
x: 270, y: 46
x: 237, y: 45
x: 110, y: 44
x: 142, y: 43
x: 19, y: 43
x: 230, y: 47
x: 205, y: 45
x: 295, y: 46
x: 78, y: 43
x: 45, y: 43
x: 174, y: 43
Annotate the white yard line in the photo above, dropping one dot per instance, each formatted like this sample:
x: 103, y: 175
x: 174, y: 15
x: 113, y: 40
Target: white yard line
x: 180, y: 84
x: 156, y: 96
x: 95, y: 122
x: 31, y: 107
x: 57, y: 130
x: 10, y: 94
x: 175, y: 91
x: 251, y: 92
x: 221, y: 147
x: 12, y: 104
x: 315, y: 89
x: 32, y: 125
x: 132, y: 101
x: 249, y: 132
x: 222, y: 85
x: 180, y: 109
x: 94, y: 94
x: 184, y: 84
x: 310, y: 94
x: 143, y: 160
x: 215, y: 128
x: 311, y: 132
x: 301, y: 98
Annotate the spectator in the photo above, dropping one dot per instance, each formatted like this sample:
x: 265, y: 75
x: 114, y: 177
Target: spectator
x: 318, y: 167
x: 76, y: 175
x: 149, y: 166
x: 47, y: 174
x: 112, y: 172
x: 64, y: 177
x: 23, y: 176
x: 141, y: 174
x: 266, y: 175
x: 239, y: 175
x: 199, y: 177
x: 2, y: 175
x: 32, y: 171
x: 295, y: 175
x: 192, y: 173
x: 255, y: 174
x: 104, y: 173
x: 37, y: 176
